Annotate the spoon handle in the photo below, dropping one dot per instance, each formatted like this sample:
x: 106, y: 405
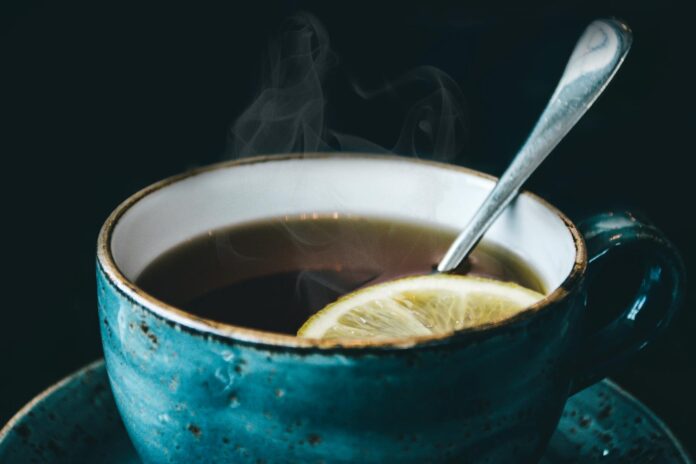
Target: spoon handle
x: 595, y: 59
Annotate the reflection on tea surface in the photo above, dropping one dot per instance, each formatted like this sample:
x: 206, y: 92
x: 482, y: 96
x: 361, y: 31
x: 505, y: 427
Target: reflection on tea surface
x: 273, y: 275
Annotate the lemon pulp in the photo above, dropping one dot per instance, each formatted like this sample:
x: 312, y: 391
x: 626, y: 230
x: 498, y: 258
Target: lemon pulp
x: 422, y: 305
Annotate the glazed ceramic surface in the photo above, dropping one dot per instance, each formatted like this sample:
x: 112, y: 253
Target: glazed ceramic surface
x: 192, y: 390
x: 76, y: 422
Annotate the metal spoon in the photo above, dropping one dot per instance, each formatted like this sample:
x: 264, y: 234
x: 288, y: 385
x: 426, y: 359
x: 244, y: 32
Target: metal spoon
x: 595, y: 59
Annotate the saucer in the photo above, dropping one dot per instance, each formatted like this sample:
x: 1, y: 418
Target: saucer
x: 76, y: 421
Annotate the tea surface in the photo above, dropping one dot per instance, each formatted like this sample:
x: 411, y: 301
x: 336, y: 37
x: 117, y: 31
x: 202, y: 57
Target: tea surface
x: 273, y: 275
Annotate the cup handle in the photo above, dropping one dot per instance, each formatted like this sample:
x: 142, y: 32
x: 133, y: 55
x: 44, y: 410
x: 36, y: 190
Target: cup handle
x: 658, y: 297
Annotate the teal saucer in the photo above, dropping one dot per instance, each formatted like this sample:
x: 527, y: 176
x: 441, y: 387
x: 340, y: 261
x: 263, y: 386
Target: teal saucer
x: 76, y: 421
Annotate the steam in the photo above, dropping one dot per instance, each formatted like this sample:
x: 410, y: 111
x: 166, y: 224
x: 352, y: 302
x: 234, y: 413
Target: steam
x: 435, y: 125
x: 290, y: 112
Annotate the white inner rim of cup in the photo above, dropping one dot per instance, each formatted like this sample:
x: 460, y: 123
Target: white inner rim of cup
x: 360, y: 185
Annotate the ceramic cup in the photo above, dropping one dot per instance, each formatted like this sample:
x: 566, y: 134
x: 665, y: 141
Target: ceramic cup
x: 193, y: 390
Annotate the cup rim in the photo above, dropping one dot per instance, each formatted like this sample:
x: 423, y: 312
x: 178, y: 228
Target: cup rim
x: 187, y: 320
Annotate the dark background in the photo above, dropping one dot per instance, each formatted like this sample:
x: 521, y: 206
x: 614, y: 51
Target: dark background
x: 99, y: 99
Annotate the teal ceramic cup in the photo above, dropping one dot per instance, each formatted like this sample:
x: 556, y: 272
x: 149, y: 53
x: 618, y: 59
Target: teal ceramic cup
x: 194, y: 390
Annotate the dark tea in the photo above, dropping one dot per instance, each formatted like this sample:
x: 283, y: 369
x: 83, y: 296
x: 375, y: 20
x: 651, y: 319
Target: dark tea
x: 272, y: 275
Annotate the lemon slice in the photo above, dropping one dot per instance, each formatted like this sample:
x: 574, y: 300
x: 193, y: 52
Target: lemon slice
x: 422, y: 305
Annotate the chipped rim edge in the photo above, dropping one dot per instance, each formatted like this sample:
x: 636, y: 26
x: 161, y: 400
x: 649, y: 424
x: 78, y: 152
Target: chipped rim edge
x: 188, y: 320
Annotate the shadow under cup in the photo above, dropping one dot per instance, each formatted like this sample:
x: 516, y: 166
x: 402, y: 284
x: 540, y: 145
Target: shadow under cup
x: 193, y: 390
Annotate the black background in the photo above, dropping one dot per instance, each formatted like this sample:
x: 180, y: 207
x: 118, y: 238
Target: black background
x: 99, y: 99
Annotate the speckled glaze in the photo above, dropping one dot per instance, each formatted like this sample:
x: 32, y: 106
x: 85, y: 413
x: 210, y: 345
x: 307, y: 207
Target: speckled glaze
x: 194, y: 397
x: 192, y: 391
x: 76, y: 422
